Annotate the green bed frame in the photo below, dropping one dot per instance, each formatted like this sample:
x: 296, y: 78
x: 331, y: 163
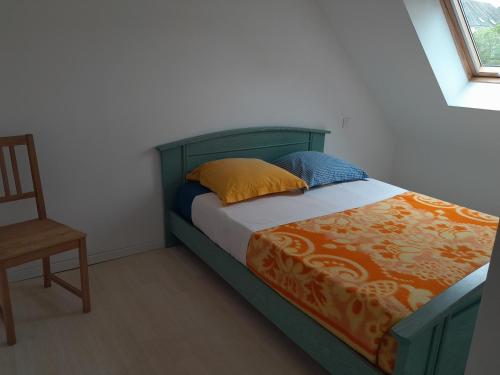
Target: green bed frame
x: 434, y: 340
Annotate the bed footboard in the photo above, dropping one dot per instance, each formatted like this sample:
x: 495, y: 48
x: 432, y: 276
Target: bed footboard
x: 435, y: 340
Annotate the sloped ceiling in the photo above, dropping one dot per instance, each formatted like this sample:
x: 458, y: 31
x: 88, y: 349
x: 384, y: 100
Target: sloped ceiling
x: 383, y: 44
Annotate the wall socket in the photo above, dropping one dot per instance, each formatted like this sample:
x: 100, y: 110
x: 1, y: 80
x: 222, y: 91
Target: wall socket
x: 345, y: 122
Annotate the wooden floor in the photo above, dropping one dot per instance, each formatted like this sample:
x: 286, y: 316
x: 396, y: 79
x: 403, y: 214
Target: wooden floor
x: 160, y: 312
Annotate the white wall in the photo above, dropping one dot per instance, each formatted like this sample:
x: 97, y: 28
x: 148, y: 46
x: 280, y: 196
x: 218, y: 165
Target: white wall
x: 450, y: 153
x: 100, y: 83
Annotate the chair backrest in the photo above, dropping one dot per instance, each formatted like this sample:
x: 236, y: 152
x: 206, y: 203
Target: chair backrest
x: 9, y: 196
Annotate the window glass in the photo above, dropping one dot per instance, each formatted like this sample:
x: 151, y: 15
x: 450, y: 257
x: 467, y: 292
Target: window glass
x: 483, y: 21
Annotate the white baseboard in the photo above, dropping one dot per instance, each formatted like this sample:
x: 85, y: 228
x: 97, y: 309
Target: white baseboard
x: 34, y: 269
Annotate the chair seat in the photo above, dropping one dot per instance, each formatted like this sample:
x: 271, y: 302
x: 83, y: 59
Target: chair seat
x: 22, y: 239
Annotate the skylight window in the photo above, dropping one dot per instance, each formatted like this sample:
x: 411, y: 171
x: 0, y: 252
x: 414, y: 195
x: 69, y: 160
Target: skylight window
x: 476, y: 28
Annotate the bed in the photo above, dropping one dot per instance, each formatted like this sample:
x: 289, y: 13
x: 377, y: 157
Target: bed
x: 435, y: 339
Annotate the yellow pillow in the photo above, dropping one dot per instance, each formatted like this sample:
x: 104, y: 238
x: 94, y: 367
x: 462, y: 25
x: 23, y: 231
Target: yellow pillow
x: 235, y: 180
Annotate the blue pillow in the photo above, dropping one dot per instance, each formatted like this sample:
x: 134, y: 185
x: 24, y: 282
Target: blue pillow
x: 185, y: 196
x: 317, y: 168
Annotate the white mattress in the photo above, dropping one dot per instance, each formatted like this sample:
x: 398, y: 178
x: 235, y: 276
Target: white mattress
x: 232, y: 226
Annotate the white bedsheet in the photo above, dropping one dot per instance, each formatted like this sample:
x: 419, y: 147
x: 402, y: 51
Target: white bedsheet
x: 232, y: 226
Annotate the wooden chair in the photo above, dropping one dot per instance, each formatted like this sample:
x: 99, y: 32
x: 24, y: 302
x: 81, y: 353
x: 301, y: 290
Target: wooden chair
x: 34, y: 239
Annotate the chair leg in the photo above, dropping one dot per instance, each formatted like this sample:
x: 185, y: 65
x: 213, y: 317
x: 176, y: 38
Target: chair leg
x: 8, y: 318
x: 46, y: 273
x: 84, y: 275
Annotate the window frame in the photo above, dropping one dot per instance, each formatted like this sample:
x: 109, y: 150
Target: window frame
x: 465, y: 44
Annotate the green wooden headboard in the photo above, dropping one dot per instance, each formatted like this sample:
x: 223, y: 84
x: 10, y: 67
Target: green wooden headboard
x: 267, y: 143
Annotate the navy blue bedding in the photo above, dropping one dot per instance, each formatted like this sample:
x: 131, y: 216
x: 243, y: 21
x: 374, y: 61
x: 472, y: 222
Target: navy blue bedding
x: 185, y: 196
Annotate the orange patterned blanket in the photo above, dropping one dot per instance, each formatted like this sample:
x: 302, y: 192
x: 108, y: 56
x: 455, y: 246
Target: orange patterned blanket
x: 361, y: 271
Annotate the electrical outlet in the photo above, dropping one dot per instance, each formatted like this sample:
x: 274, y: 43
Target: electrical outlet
x: 345, y: 122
